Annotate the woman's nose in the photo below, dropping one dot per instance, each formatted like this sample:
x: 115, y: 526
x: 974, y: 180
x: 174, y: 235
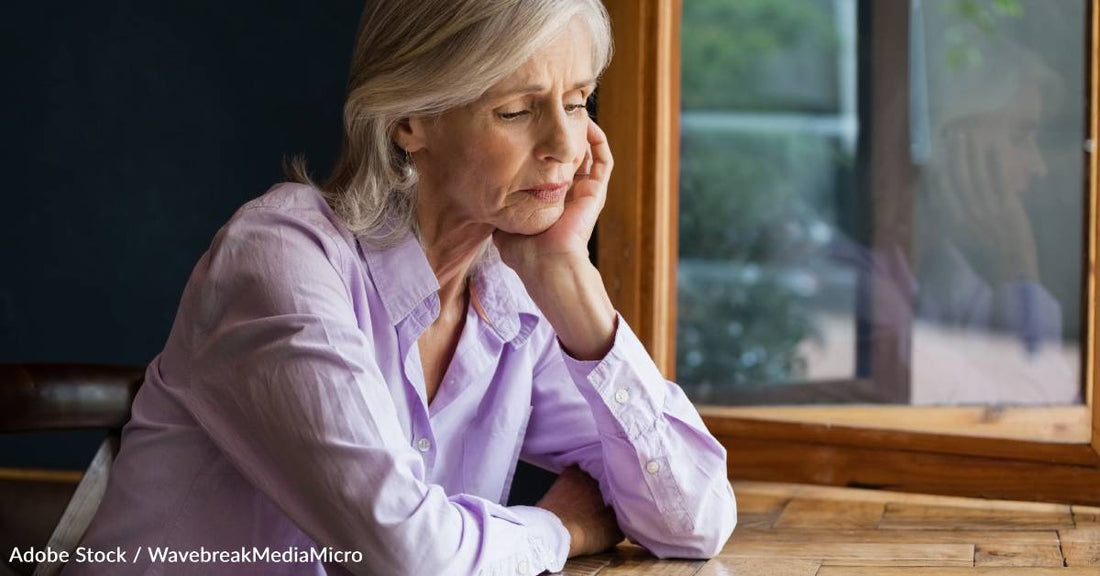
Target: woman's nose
x: 557, y: 143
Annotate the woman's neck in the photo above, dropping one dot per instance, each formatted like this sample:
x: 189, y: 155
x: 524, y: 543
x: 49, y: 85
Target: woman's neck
x: 452, y: 245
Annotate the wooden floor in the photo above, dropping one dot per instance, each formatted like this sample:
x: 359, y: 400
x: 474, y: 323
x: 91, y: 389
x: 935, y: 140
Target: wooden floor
x: 790, y: 530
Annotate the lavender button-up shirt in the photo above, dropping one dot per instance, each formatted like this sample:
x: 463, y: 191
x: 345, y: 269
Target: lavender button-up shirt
x: 287, y: 411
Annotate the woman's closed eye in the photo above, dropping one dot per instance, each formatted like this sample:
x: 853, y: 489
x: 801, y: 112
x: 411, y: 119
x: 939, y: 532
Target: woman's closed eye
x: 512, y: 115
x: 569, y: 108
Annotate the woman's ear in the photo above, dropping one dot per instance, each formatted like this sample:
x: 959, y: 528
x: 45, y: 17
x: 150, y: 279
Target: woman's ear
x: 410, y: 134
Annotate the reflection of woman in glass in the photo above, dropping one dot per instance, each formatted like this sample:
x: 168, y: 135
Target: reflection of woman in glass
x: 977, y: 277
x: 966, y: 305
x: 982, y: 269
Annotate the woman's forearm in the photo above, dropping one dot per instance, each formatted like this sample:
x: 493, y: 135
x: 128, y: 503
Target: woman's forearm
x: 571, y: 294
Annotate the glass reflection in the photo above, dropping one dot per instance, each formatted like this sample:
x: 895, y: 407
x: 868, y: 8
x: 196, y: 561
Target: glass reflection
x: 805, y: 279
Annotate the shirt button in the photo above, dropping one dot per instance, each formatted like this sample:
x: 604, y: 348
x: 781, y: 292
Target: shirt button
x: 522, y: 567
x: 622, y: 396
x: 424, y: 444
x: 653, y: 466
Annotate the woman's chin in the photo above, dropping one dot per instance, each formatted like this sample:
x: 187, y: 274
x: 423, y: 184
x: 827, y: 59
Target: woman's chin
x: 535, y: 222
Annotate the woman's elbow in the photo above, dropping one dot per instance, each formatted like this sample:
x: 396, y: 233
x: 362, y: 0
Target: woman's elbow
x: 714, y: 531
x: 714, y: 538
x: 701, y: 544
x: 712, y: 526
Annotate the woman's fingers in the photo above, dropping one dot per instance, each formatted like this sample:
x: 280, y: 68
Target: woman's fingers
x: 601, y: 165
x: 973, y: 183
x: 586, y: 165
x: 945, y: 179
x: 601, y: 154
x: 985, y: 187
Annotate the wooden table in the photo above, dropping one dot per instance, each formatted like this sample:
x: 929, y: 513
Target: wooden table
x: 791, y: 530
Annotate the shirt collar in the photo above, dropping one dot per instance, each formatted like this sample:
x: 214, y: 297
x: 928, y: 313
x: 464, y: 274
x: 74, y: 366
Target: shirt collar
x: 404, y: 279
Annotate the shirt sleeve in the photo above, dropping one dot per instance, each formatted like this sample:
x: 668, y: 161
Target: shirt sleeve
x: 640, y: 437
x: 1026, y: 309
x: 955, y: 292
x: 285, y: 382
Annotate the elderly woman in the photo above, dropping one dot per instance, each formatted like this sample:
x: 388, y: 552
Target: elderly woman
x: 355, y: 368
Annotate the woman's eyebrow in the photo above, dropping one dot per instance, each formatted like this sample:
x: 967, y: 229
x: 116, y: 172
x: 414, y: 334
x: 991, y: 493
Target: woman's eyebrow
x: 532, y: 88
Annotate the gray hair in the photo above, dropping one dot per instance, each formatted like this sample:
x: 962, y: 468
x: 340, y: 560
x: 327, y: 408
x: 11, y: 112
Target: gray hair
x: 425, y: 57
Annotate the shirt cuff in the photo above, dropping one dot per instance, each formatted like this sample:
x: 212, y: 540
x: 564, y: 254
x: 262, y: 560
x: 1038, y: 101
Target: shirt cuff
x: 626, y: 383
x: 627, y: 395
x: 548, y: 537
x: 1030, y: 312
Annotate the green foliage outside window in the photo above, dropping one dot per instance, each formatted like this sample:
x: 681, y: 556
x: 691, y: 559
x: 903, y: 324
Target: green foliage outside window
x: 749, y: 220
x: 726, y: 43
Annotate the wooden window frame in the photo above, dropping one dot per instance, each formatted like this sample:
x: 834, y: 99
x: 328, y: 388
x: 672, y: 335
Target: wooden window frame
x: 990, y: 453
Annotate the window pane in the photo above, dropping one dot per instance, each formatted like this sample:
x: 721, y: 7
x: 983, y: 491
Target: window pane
x: 882, y: 202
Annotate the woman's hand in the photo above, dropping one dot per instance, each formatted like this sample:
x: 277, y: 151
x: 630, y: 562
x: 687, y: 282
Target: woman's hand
x: 555, y: 268
x: 575, y: 498
x: 566, y: 239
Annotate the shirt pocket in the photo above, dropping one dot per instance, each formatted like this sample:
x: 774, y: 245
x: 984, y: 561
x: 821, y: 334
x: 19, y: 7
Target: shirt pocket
x: 490, y: 453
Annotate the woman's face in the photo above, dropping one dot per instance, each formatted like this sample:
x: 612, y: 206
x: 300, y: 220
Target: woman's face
x: 1020, y: 152
x: 508, y: 159
x: 1001, y: 146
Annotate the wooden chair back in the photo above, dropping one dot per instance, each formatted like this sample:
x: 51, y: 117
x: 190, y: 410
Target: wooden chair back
x: 42, y: 397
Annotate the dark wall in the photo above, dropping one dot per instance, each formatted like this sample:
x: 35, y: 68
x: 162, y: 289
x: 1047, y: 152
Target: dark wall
x: 132, y: 131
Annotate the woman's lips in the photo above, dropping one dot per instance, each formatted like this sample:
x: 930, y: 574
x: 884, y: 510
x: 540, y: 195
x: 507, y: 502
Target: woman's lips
x: 549, y: 192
